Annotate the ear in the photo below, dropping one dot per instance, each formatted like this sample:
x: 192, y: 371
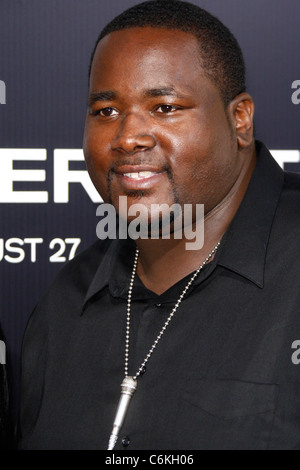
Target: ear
x: 241, y: 110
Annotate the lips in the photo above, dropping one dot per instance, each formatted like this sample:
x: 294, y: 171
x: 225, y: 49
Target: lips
x: 138, y: 177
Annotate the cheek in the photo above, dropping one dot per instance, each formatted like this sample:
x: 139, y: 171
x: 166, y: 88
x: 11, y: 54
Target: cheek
x: 97, y: 164
x: 95, y: 149
x: 191, y: 153
x: 202, y: 162
x: 181, y: 144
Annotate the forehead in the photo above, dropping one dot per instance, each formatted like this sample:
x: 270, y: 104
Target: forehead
x: 139, y: 41
x: 147, y: 54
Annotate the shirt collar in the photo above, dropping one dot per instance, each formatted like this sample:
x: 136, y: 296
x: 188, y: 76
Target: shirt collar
x: 245, y: 244
x: 114, y: 269
x: 243, y: 248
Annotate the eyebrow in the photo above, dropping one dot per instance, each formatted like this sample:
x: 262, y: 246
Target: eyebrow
x: 164, y: 91
x: 110, y: 95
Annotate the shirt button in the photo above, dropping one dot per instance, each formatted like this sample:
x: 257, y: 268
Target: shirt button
x: 125, y: 441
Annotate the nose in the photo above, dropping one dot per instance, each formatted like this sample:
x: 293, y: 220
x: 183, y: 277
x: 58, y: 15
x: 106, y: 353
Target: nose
x: 134, y: 135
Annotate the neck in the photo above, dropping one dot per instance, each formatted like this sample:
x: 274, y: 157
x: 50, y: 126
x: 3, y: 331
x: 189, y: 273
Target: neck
x: 164, y: 262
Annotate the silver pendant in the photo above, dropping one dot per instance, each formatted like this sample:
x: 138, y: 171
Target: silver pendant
x: 128, y: 388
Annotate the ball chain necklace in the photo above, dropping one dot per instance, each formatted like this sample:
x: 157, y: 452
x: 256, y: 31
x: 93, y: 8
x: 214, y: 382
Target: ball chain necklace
x: 129, y: 383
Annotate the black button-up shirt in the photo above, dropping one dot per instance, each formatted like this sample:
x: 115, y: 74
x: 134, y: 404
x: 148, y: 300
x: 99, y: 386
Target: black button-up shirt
x: 224, y: 375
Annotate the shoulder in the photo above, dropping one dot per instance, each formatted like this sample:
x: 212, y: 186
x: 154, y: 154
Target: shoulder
x: 65, y: 295
x: 82, y: 268
x: 286, y: 226
x: 289, y: 202
x: 292, y: 181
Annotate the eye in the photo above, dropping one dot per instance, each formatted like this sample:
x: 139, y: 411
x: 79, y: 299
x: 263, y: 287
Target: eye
x: 166, y: 108
x: 107, y: 112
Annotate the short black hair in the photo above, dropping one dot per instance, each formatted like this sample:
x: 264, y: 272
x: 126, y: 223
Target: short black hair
x: 220, y: 54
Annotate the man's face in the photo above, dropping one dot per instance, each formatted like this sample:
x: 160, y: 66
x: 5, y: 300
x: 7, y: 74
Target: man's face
x: 156, y: 128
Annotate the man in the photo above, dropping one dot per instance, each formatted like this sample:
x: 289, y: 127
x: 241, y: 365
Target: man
x: 204, y: 336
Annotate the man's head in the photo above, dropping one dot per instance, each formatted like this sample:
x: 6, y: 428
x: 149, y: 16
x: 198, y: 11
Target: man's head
x: 219, y: 52
x: 160, y: 125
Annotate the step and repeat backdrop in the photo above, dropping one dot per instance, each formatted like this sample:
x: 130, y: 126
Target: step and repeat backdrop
x: 47, y: 201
